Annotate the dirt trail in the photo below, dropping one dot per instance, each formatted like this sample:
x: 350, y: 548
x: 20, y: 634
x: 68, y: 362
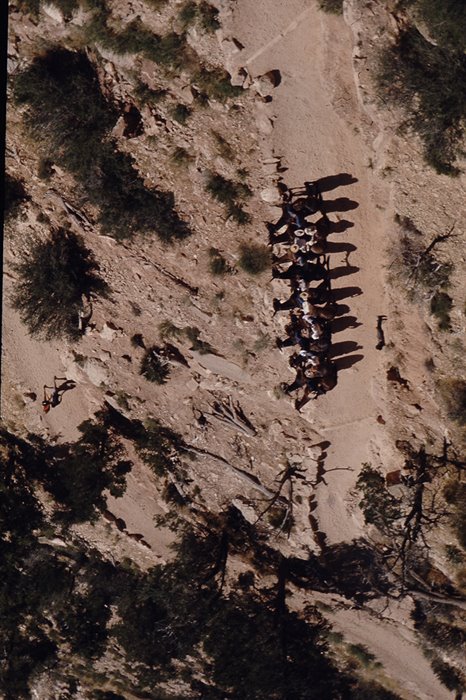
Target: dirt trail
x: 315, y: 114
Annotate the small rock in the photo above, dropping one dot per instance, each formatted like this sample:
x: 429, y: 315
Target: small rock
x: 271, y: 196
x: 265, y: 84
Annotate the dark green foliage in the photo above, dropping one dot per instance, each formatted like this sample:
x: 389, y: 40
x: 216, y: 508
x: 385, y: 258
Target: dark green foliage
x: 181, y: 113
x: 68, y: 115
x: 30, y: 6
x: 84, y: 622
x: 137, y: 341
x: 254, y: 258
x: 188, y: 13
x: 15, y: 195
x: 380, y: 508
x: 334, y: 7
x: 203, y: 12
x: 201, y: 346
x: 450, y: 677
x: 45, y: 169
x: 455, y: 495
x: 370, y: 690
x: 158, y: 446
x: 224, y: 148
x: 54, y: 276
x: 149, y: 96
x: 78, y: 474
x: 429, y: 82
x: 231, y: 194
x: 153, y: 368
x: 216, y: 84
x: 440, y: 306
x: 181, y: 156
x: 453, y: 392
x: 217, y: 263
x: 208, y: 17
x: 446, y: 21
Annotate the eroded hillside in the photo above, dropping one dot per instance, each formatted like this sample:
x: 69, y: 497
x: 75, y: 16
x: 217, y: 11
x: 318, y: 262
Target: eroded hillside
x: 318, y: 553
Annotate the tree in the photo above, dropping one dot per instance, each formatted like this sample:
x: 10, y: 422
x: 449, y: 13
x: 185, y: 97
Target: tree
x: 54, y: 276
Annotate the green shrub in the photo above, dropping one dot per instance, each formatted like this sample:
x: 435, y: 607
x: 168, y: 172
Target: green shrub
x: 208, y: 17
x: 440, y: 306
x: 71, y: 119
x: 216, y: 84
x: 361, y: 653
x: 180, y: 113
x: 198, y: 345
x: 379, y: 506
x: 188, y: 13
x: 223, y: 147
x: 45, y: 169
x: 455, y: 495
x: 180, y: 156
x: 217, y: 263
x: 54, y: 276
x: 446, y: 21
x: 429, y: 82
x: 254, y: 258
x: 453, y: 392
x: 137, y: 341
x: 153, y: 368
x: 149, y: 96
x: 231, y: 194
x: 203, y: 12
x: 334, y: 7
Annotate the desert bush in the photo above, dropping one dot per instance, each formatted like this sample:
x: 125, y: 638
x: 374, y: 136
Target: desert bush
x: 254, y: 258
x: 45, y: 169
x: 418, y: 268
x: 446, y: 21
x: 450, y: 677
x: 153, y: 368
x: 149, y: 96
x: 216, y: 83
x: 223, y: 147
x: 71, y: 119
x: 334, y: 7
x: 180, y: 156
x: 429, y: 82
x: 15, y: 195
x: 168, y: 329
x: 198, y: 345
x: 453, y: 392
x: 440, y: 306
x: 361, y: 653
x: 231, y: 194
x: 137, y: 340
x: 455, y: 495
x: 78, y: 474
x: 54, y: 276
x: 188, y: 13
x: 217, y: 263
x: 379, y: 506
x: 203, y: 12
x: 180, y: 113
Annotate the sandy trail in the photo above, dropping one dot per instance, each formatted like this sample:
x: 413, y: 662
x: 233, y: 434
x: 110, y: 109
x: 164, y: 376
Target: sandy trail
x: 316, y: 139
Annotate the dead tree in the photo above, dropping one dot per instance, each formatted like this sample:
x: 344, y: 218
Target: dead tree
x: 285, y: 478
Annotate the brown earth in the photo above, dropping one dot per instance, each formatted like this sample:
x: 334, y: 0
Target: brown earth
x: 322, y: 121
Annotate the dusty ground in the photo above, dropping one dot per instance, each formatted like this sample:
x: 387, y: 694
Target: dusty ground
x: 321, y: 122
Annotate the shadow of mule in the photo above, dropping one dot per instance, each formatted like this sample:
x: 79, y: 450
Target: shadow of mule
x: 348, y: 361
x: 339, y: 204
x: 344, y: 348
x: 331, y: 182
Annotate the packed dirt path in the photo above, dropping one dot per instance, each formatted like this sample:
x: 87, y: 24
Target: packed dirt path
x: 317, y: 133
